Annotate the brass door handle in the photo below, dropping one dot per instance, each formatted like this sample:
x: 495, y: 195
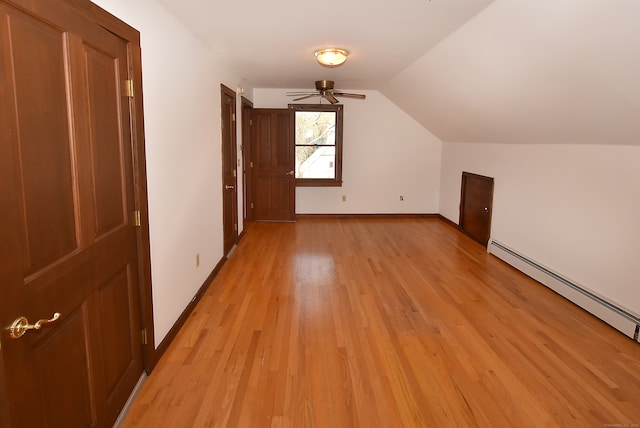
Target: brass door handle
x: 229, y: 187
x: 291, y: 172
x: 21, y: 325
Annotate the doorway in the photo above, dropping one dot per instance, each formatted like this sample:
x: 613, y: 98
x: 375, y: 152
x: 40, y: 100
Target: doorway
x: 476, y: 206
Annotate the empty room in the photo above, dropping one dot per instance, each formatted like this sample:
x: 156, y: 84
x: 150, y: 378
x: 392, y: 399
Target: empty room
x: 419, y: 213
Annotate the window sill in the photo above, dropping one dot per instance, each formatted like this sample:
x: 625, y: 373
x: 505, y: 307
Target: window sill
x: 318, y: 182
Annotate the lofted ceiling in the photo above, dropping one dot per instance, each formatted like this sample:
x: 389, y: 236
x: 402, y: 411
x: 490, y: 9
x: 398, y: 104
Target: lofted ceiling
x: 496, y: 71
x: 271, y: 43
x: 544, y: 71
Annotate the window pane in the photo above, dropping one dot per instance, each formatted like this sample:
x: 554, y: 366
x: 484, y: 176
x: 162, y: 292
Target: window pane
x: 315, y: 162
x: 315, y: 128
x: 318, y: 144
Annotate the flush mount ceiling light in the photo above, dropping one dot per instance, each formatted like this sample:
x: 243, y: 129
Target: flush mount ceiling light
x: 331, y: 57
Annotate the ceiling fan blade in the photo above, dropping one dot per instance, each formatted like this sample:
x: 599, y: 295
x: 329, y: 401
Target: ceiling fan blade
x: 329, y: 96
x: 305, y: 97
x: 345, y: 94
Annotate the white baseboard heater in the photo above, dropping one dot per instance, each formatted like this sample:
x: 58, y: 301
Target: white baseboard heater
x: 619, y: 318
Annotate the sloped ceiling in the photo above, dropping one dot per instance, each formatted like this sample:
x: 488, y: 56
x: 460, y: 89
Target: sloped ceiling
x: 503, y: 71
x: 544, y: 71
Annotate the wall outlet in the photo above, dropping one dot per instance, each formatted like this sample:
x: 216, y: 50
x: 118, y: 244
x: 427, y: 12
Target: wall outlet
x: 197, y: 259
x: 344, y: 198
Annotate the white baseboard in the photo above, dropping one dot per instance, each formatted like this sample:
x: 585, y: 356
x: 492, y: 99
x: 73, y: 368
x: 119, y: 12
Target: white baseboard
x: 610, y: 312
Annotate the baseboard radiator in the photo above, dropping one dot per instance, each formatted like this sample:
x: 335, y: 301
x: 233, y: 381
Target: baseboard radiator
x: 619, y: 318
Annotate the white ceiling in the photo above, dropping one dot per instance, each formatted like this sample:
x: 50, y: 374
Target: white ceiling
x: 271, y: 43
x: 496, y: 71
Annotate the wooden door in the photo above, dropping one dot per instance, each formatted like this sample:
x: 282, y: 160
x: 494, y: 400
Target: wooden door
x: 247, y: 157
x: 274, y: 180
x: 476, y: 204
x: 69, y: 241
x: 229, y: 168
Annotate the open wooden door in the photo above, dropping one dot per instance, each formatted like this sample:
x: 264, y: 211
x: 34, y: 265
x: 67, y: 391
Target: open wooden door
x: 229, y: 168
x: 274, y: 166
x: 69, y: 252
x: 247, y: 158
x: 476, y: 205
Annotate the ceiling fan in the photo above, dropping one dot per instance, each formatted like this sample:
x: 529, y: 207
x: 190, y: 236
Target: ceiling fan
x: 324, y: 88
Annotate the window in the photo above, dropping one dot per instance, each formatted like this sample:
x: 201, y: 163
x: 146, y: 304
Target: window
x: 318, y: 144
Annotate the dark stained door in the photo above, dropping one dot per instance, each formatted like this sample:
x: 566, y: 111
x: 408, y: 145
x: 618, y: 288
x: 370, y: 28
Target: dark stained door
x: 247, y: 157
x: 274, y: 181
x: 68, y: 238
x: 476, y: 206
x: 229, y: 168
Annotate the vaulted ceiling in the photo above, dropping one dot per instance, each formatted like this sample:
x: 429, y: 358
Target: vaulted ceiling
x: 498, y: 71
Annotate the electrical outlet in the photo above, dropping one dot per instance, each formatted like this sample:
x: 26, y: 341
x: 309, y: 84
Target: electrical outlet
x: 401, y: 198
x: 344, y: 198
x: 197, y: 259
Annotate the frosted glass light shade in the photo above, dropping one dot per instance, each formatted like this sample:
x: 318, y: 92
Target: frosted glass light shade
x: 331, y: 57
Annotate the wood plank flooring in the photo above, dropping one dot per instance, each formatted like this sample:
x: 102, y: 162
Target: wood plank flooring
x: 386, y: 323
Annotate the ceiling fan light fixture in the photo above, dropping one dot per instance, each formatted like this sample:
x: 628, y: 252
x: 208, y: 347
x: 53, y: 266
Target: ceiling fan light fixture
x: 331, y: 57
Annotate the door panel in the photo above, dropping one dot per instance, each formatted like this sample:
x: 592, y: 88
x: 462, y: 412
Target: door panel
x: 116, y: 337
x: 69, y: 244
x: 476, y: 206
x: 46, y: 169
x: 64, y: 349
x: 106, y: 156
x: 274, y: 191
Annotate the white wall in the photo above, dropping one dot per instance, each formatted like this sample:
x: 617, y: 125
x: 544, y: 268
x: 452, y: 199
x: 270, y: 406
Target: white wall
x: 386, y: 154
x: 181, y: 85
x: 573, y: 208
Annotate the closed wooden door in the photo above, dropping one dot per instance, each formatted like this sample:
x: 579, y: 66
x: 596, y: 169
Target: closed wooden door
x: 229, y: 168
x: 68, y: 236
x: 476, y: 204
x: 274, y: 166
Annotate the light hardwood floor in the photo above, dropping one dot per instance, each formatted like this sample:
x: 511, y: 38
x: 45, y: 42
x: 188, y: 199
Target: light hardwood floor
x: 386, y: 323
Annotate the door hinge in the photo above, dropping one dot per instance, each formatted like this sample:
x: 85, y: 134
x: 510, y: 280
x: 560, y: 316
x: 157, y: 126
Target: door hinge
x: 136, y: 218
x: 250, y: 122
x: 251, y: 205
x: 235, y: 227
x: 128, y: 88
x: 234, y: 173
x: 233, y: 117
x: 250, y: 164
x: 144, y: 336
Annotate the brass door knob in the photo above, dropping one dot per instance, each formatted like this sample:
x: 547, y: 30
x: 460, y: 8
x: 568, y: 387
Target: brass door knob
x: 21, y: 325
